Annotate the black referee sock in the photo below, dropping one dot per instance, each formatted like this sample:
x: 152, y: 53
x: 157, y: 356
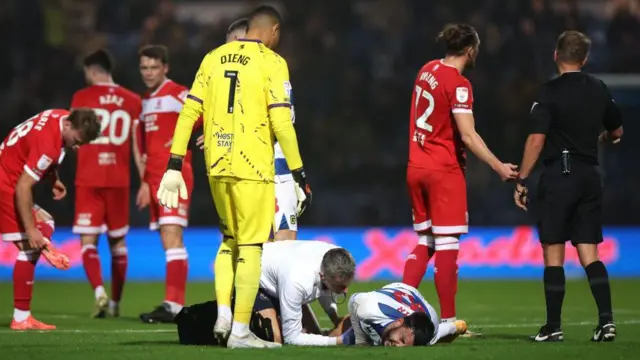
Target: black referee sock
x: 599, y: 282
x: 554, y: 294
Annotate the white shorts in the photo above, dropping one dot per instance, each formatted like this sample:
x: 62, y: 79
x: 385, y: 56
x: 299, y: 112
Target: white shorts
x: 286, y: 206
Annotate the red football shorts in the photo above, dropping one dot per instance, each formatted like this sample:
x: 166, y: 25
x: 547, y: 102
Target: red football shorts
x: 161, y: 215
x: 438, y: 201
x: 100, y: 209
x: 11, y: 228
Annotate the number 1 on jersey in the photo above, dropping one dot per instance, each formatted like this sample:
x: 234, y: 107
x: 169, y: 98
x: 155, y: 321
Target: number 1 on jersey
x: 421, y: 122
x: 233, y: 77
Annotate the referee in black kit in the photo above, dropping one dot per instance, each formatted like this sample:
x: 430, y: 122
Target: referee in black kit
x: 566, y: 123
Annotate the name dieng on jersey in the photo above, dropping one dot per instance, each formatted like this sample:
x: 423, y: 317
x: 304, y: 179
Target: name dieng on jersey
x: 234, y: 58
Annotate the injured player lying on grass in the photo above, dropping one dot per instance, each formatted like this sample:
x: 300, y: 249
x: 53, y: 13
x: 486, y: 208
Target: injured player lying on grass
x: 395, y: 315
x: 294, y: 274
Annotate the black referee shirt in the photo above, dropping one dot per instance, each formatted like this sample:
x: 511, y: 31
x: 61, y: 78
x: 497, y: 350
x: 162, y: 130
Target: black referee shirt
x: 571, y: 111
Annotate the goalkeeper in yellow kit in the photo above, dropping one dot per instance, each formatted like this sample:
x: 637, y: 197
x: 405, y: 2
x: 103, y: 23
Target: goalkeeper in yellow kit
x: 242, y: 90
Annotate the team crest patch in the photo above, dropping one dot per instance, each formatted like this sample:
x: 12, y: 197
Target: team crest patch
x: 44, y: 162
x: 462, y: 94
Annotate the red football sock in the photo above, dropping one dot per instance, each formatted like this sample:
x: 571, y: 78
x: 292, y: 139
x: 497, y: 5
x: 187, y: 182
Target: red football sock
x: 91, y: 263
x: 119, y: 263
x: 23, y: 275
x: 176, y: 277
x: 416, y: 265
x: 446, y: 279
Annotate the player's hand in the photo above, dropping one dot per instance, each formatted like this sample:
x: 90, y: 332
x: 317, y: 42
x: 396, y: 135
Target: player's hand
x: 36, y: 240
x: 507, y: 172
x: 303, y: 190
x: 521, y: 196
x: 200, y: 141
x: 144, y: 196
x: 59, y: 190
x: 168, y: 143
x: 171, y: 187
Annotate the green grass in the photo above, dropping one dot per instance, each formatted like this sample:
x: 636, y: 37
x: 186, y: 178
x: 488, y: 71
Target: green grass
x: 505, y: 312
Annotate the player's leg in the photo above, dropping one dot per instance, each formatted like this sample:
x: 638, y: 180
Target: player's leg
x: 418, y: 259
x: 553, y: 230
x: 117, y: 219
x: 286, y: 218
x: 171, y: 223
x: 89, y: 220
x: 264, y: 320
x: 586, y: 235
x: 24, y: 268
x: 226, y: 258
x: 448, y: 206
x: 254, y: 212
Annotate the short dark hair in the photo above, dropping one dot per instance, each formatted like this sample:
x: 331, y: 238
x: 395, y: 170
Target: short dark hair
x: 239, y: 24
x: 573, y: 47
x: 422, y: 326
x: 101, y: 58
x: 265, y: 10
x: 457, y: 37
x: 159, y: 52
x: 86, y: 121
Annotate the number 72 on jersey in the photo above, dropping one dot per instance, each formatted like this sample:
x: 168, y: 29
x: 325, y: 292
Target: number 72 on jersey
x: 422, y: 120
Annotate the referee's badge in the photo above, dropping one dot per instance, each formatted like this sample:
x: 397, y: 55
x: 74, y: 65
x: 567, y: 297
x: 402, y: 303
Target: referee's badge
x: 462, y: 94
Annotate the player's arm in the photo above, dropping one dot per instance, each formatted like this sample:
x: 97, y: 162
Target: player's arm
x: 137, y: 135
x: 330, y: 308
x: 540, y: 120
x: 191, y: 110
x: 292, y: 295
x: 279, y: 105
x: 612, y: 121
x: 355, y: 312
x: 461, y: 107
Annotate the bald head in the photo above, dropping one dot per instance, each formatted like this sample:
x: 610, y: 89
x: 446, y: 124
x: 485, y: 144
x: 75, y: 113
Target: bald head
x: 264, y: 25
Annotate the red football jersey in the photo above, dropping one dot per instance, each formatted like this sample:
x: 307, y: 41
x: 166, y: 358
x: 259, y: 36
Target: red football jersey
x: 35, y: 146
x: 105, y: 161
x: 434, y: 140
x: 160, y: 111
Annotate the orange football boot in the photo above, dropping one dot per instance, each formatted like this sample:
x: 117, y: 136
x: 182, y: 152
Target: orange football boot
x: 54, y: 257
x: 31, y: 324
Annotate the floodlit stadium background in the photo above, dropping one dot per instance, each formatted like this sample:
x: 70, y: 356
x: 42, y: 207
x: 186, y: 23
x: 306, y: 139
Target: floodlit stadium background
x: 352, y: 66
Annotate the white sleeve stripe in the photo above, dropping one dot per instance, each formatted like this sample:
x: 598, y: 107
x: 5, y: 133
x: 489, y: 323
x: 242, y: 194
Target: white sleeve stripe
x: 31, y: 173
x: 462, y: 111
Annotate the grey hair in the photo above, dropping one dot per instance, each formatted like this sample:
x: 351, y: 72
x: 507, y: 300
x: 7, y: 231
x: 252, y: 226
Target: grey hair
x: 338, y: 263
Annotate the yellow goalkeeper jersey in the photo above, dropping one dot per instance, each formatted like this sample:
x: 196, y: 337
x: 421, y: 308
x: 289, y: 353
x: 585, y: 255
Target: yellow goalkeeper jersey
x: 242, y: 90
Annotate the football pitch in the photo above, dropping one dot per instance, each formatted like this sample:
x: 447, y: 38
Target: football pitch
x: 505, y: 312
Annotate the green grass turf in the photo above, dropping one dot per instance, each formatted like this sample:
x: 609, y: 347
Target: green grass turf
x: 505, y: 312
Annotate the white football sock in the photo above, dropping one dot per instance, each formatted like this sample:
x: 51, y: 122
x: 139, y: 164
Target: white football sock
x: 99, y: 292
x: 174, y: 307
x: 239, y: 329
x: 21, y: 315
x: 225, y: 312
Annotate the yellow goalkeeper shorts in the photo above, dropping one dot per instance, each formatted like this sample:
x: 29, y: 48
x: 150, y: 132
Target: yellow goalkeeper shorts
x: 245, y: 207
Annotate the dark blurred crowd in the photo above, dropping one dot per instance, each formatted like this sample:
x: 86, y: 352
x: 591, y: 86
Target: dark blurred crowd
x: 352, y: 65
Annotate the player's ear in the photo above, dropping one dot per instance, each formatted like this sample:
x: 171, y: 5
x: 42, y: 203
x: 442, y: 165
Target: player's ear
x: 555, y: 55
x: 275, y: 29
x: 166, y: 69
x: 584, y: 61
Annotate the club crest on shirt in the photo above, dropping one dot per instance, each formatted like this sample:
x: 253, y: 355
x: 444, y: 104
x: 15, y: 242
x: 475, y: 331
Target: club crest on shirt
x: 462, y: 94
x: 44, y: 162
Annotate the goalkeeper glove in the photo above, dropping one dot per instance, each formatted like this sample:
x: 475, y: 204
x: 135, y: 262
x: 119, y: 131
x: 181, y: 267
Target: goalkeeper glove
x: 172, y: 185
x: 303, y: 190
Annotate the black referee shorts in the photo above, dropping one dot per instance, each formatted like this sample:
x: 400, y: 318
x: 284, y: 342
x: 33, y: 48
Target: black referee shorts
x: 569, y: 207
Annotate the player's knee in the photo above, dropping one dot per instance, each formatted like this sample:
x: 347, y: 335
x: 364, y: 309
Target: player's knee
x: 171, y: 236
x: 446, y: 243
x: 116, y: 243
x: 89, y: 240
x: 29, y: 255
x: 426, y: 240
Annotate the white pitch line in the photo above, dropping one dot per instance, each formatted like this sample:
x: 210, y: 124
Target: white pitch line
x: 150, y: 331
x: 523, y: 325
x: 80, y: 331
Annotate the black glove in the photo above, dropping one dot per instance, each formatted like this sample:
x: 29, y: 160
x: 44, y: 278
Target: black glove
x: 303, y: 190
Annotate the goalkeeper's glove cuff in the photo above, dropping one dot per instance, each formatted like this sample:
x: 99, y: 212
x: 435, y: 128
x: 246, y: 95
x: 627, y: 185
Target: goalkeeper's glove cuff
x: 175, y: 163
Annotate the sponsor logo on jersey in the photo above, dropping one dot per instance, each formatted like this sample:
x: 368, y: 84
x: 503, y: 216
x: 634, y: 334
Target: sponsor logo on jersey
x: 287, y: 90
x: 462, y: 94
x: 44, y: 162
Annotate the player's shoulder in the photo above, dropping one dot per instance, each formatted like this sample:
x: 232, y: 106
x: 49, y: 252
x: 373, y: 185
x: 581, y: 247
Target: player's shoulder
x: 127, y: 93
x: 177, y: 90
